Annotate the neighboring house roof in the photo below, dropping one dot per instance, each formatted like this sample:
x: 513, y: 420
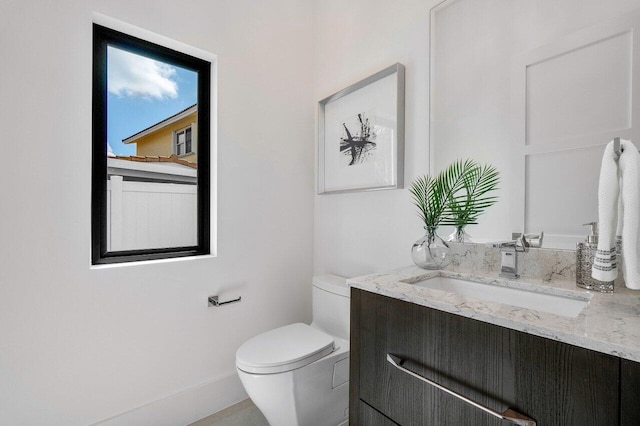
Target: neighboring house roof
x: 160, y: 124
x: 157, y: 159
x: 153, y: 169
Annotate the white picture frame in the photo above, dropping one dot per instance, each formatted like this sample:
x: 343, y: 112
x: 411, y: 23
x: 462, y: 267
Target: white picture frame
x: 361, y: 135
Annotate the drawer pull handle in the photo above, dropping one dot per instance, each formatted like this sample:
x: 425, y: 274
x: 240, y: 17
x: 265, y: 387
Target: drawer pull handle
x: 509, y: 414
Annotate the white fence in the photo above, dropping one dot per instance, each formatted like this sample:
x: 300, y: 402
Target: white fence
x: 146, y: 215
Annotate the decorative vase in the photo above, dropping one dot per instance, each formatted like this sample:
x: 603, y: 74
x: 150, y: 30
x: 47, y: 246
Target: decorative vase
x: 431, y: 251
x: 460, y: 235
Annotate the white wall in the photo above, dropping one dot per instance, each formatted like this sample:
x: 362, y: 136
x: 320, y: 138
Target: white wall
x: 365, y: 232
x: 79, y: 345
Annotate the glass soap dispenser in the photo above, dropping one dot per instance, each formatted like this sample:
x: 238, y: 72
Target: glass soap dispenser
x: 585, y: 255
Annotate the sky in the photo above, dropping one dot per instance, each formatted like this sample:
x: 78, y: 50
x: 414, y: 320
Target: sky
x: 141, y: 92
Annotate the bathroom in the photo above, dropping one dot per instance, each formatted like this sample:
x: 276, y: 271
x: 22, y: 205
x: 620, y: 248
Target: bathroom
x: 137, y: 343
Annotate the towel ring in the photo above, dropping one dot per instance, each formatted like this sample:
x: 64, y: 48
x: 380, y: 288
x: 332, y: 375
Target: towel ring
x: 617, y: 148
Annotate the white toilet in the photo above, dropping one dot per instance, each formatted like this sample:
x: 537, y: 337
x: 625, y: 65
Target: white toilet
x: 298, y: 375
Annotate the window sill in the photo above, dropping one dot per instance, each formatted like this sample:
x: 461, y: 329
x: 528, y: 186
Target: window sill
x: 151, y: 262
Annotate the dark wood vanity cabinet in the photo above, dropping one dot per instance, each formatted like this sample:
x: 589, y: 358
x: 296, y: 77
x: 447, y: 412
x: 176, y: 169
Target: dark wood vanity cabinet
x: 554, y: 383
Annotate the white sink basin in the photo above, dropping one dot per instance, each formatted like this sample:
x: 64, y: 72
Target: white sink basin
x: 563, y: 305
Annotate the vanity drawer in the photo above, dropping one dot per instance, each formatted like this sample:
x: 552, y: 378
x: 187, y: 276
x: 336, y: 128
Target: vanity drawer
x: 551, y: 382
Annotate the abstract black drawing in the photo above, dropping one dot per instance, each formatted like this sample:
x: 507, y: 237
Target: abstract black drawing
x: 359, y: 144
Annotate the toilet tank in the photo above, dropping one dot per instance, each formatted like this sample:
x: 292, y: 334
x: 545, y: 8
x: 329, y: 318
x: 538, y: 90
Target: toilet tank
x: 331, y: 305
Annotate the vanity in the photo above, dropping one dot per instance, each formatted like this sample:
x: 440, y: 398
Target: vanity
x: 552, y: 353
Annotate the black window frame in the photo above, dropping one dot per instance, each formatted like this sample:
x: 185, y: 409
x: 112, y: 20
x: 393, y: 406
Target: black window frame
x: 103, y: 37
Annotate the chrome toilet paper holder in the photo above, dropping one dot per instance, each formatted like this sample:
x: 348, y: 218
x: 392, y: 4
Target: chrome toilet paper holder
x: 215, y: 301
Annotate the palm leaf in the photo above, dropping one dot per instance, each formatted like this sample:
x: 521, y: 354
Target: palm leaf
x: 433, y: 196
x: 470, y: 201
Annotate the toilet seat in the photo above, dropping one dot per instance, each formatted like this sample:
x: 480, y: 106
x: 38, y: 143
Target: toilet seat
x: 284, y: 349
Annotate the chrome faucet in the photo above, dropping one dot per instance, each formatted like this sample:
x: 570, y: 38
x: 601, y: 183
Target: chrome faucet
x: 509, y: 252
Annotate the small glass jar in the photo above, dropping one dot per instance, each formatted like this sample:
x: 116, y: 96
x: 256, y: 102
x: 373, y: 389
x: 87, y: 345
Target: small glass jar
x: 460, y: 235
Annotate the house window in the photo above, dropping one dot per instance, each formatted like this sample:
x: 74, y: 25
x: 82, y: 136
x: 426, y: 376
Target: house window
x: 183, y: 141
x: 146, y: 202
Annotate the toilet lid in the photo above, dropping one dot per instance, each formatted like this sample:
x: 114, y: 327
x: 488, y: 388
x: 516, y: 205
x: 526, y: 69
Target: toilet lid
x: 283, y: 349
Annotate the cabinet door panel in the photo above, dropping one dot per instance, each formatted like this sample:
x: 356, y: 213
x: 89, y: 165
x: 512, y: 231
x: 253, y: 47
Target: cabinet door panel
x: 552, y: 382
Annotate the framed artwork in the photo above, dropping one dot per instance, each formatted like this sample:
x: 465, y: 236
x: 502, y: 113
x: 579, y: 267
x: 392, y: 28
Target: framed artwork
x: 361, y: 135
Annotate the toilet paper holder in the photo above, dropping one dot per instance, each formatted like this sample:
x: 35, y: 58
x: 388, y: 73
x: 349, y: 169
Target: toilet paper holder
x: 215, y: 301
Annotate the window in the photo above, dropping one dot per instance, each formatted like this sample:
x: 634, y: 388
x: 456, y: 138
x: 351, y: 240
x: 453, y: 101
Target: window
x: 150, y: 182
x: 183, y: 141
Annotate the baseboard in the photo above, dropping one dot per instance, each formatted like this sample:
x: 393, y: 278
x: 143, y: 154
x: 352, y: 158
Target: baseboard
x: 186, y: 406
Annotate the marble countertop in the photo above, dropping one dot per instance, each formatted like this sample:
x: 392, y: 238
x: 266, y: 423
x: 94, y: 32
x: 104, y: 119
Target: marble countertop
x: 610, y: 323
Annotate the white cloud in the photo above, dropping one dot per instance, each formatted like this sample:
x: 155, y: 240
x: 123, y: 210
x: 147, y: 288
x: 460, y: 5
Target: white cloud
x: 129, y: 74
x: 110, y: 152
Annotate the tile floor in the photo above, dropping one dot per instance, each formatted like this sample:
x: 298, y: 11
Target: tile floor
x: 244, y: 413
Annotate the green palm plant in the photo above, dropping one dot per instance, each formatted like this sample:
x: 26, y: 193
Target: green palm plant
x: 475, y: 196
x: 433, y: 196
x: 457, y: 196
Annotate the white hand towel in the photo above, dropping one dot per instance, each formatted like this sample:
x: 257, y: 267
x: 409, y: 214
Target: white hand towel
x: 619, y: 214
x: 629, y: 164
x: 605, y: 266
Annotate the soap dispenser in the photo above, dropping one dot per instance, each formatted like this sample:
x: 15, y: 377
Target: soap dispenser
x: 585, y: 255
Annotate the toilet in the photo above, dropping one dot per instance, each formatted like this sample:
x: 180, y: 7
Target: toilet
x: 298, y: 375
